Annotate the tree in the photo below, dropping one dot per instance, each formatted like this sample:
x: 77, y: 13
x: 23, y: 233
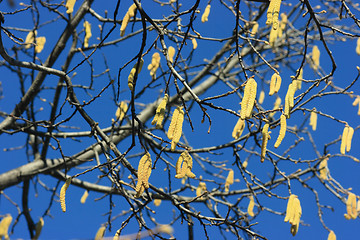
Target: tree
x: 202, y: 107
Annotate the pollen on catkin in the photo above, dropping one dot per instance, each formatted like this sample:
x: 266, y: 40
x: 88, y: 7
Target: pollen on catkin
x: 248, y: 100
x: 130, y: 13
x: 175, y: 128
x: 38, y: 228
x: 70, y: 6
x: 239, y: 128
x: 250, y: 209
x: 40, y: 43
x: 160, y: 112
x: 132, y: 74
x: 315, y: 56
x: 313, y: 119
x: 205, y: 16
x: 281, y: 132
x: 4, y: 226
x: 144, y: 172
x: 63, y: 193
x: 351, y: 207
x: 88, y: 34
x: 265, y: 139
x: 229, y: 180
x: 154, y: 65
x: 30, y: 38
x: 184, y: 165
x: 121, y: 110
x: 171, y: 53
x: 275, y: 84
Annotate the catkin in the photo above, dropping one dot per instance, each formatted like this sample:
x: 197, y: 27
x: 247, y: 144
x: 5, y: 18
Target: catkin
x: 194, y: 43
x: 160, y: 112
x: 265, y: 139
x: 121, y: 111
x: 84, y: 196
x: 358, y: 46
x: 88, y: 34
x: 38, y: 228
x: 248, y: 100
x: 40, y: 43
x: 63, y: 192
x: 154, y: 65
x: 298, y: 81
x: 30, y: 38
x: 205, y: 16
x: 331, y: 236
x: 157, y: 202
x: 132, y: 74
x: 229, y: 180
x: 4, y: 226
x: 175, y: 128
x: 144, y: 172
x: 323, y: 168
x: 290, y: 208
x: 275, y: 84
x: 100, y: 233
x: 130, y: 13
x: 315, y: 57
x: 281, y: 132
x: 261, y: 97
x: 184, y: 165
x: 171, y: 53
x: 313, y: 119
x: 283, y: 23
x: 351, y: 206
x: 293, y: 213
x: 277, y: 104
x: 250, y: 209
x: 272, y: 37
x: 70, y: 6
x: 356, y: 101
x: 346, y: 139
x: 254, y: 29
x: 201, y: 188
x: 349, y: 139
x: 269, y: 14
x: 289, y: 99
x: 239, y: 128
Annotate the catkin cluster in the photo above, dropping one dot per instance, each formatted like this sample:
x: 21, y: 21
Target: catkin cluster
x: 293, y: 213
x: 121, y: 110
x: 70, y: 6
x: 204, y: 17
x: 160, y: 112
x: 273, y: 14
x: 315, y: 56
x: 144, y: 172
x: 130, y: 13
x: 281, y: 132
x: 248, y: 100
x: 346, y: 139
x: 132, y: 74
x: 184, y: 165
x: 4, y: 226
x: 250, y: 209
x: 229, y: 180
x: 313, y: 119
x: 175, y: 128
x: 88, y: 34
x: 63, y: 193
x: 275, y: 84
x: 154, y: 65
x: 239, y: 128
x: 265, y: 138
x: 351, y: 207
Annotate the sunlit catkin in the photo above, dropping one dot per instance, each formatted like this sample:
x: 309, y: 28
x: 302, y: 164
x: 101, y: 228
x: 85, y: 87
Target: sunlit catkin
x: 100, y: 233
x: 121, y: 110
x: 30, y: 38
x: 293, y: 213
x: 331, y: 236
x: 254, y: 29
x: 289, y: 99
x: 157, y: 202
x: 351, y: 206
x: 281, y: 132
x: 273, y: 36
x: 315, y: 56
x: 171, y: 53
x: 323, y: 168
x: 283, y: 23
x: 248, y: 100
x: 346, y: 139
x: 132, y: 74
x: 130, y: 13
x: 349, y: 139
x: 40, y: 43
x: 84, y: 196
x: 205, y: 16
x: 299, y: 80
x: 275, y: 84
x: 184, y: 165
x: 4, y: 226
x: 160, y: 112
x: 62, y: 194
x: 88, y: 34
x: 358, y: 46
x: 194, y: 43
x: 261, y: 97
x: 70, y: 6
x: 265, y: 139
x: 250, y: 209
x: 154, y: 65
x: 144, y: 172
x: 229, y: 180
x: 313, y: 119
x: 38, y: 228
x: 175, y: 128
x: 239, y: 128
x: 269, y: 14
x: 201, y: 188
x: 277, y: 104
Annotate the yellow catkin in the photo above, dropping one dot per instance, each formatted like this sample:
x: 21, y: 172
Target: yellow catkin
x: 154, y: 65
x: 248, y: 100
x: 315, y: 57
x: 30, y: 38
x: 157, y: 202
x: 351, y: 207
x: 144, y: 172
x: 349, y: 139
x: 250, y: 209
x: 283, y: 23
x: 121, y: 110
x: 130, y: 13
x: 275, y: 84
x: 313, y: 119
x: 289, y: 99
x: 265, y: 139
x: 238, y: 129
x: 254, y: 29
x: 84, y: 196
x: 344, y: 138
x: 40, y: 43
x: 299, y: 80
x: 38, y: 228
x: 272, y: 37
x: 276, y: 11
x: 356, y: 101
x: 171, y: 53
x: 175, y: 128
x: 331, y: 236
x: 269, y: 14
x: 63, y: 193
x: 160, y: 112
x: 358, y: 46
x: 70, y: 6
x: 281, y: 132
x: 323, y: 168
x: 296, y: 219
x: 194, y: 43
x: 100, y: 233
x: 229, y: 180
x: 4, y: 226
x: 261, y: 97
x: 205, y: 16
x: 201, y: 188
x: 132, y: 74
x: 277, y: 104
x: 88, y: 34
x: 290, y: 208
x: 184, y: 166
